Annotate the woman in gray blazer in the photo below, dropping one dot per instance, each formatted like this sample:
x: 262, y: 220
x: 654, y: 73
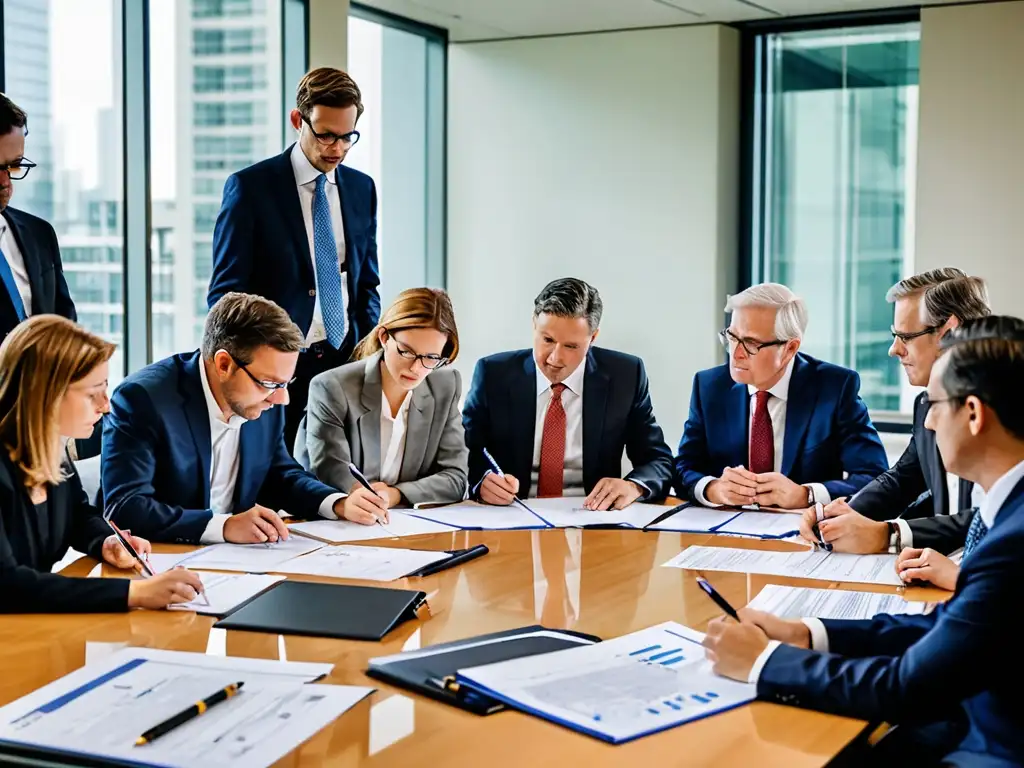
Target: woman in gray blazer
x: 394, y: 412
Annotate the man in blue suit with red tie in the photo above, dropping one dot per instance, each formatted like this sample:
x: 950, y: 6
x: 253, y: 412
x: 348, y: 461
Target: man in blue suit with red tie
x: 774, y: 426
x: 300, y: 229
x: 964, y: 657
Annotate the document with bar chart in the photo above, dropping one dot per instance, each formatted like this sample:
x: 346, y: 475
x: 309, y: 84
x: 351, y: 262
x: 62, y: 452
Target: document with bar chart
x: 618, y: 690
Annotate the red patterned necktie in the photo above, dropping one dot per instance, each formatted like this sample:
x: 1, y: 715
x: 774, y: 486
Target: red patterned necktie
x: 552, y: 446
x: 762, y: 439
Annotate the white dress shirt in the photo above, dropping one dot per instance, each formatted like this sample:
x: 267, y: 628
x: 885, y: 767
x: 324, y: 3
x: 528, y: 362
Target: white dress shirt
x: 9, y: 245
x: 990, y: 507
x: 305, y: 177
x: 225, y: 440
x: 572, y: 403
x: 392, y: 438
x: 953, y: 495
x: 777, y: 415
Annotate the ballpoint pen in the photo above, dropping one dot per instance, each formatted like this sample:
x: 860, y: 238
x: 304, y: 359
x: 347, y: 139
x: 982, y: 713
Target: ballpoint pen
x: 188, y: 714
x: 720, y: 601
x: 499, y: 473
x: 147, y: 571
x: 819, y: 514
x: 361, y: 479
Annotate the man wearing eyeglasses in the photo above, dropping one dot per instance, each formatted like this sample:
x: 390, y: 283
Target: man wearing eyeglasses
x: 774, y: 427
x: 301, y: 230
x: 30, y: 267
x: 193, y: 447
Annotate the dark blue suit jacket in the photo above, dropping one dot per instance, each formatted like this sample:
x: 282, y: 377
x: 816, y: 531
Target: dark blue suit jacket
x: 828, y: 430
x: 964, y: 654
x: 260, y: 244
x: 501, y: 412
x: 156, y: 457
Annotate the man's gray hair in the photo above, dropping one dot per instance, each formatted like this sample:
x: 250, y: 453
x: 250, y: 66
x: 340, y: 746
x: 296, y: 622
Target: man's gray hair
x: 915, y: 284
x: 965, y: 298
x: 791, y: 312
x: 569, y: 297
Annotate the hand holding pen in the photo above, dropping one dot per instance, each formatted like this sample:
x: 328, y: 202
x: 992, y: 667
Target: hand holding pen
x: 497, y: 488
x: 366, y: 505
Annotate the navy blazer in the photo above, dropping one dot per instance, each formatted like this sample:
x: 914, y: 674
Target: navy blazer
x: 500, y: 414
x: 156, y: 457
x: 965, y: 654
x: 828, y: 430
x: 38, y: 245
x: 260, y: 244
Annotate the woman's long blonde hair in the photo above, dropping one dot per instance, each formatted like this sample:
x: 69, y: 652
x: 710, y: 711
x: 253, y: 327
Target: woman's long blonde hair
x: 415, y: 308
x: 39, y: 360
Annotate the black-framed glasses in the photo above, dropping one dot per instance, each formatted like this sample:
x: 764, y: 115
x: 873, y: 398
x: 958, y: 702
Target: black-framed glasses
x: 327, y: 138
x: 430, y: 362
x: 265, y: 383
x: 905, y: 337
x: 18, y: 169
x: 928, y: 402
x: 751, y: 346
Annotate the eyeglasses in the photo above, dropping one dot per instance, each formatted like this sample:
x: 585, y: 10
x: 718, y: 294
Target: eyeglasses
x: 327, y: 138
x: 751, y: 346
x: 430, y: 362
x: 266, y: 384
x: 928, y: 402
x: 18, y: 169
x: 905, y: 337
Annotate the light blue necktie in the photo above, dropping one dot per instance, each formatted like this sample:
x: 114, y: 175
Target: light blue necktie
x: 12, y: 287
x: 975, y: 534
x: 328, y: 276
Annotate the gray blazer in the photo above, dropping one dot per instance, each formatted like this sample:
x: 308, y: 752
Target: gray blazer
x: 342, y: 424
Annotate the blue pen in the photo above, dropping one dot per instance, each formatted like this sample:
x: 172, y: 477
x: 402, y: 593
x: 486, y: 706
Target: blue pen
x: 499, y: 473
x: 361, y: 479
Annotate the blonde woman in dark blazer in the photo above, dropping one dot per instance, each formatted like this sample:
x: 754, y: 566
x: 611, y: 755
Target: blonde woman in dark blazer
x: 394, y: 412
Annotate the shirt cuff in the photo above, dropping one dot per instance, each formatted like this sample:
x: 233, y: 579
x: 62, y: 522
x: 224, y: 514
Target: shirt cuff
x: 645, y: 491
x: 906, y: 533
x: 698, y: 491
x: 474, y: 492
x: 327, y: 506
x: 214, y: 533
x: 821, y: 494
x: 819, y: 635
x: 755, y: 671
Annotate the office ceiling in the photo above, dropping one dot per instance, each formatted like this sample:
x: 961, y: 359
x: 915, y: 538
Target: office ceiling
x: 468, y: 20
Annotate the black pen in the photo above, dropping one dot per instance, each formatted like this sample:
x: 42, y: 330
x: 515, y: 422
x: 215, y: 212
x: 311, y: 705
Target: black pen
x: 361, y: 479
x: 819, y: 514
x: 458, y: 557
x: 188, y: 714
x: 126, y: 543
x: 720, y: 601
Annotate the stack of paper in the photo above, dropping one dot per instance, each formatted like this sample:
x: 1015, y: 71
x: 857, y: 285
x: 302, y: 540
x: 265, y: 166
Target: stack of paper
x: 568, y: 512
x: 367, y: 563
x: 470, y: 516
x: 805, y: 602
x: 248, y: 558
x: 764, y: 525
x: 226, y: 591
x: 339, y: 531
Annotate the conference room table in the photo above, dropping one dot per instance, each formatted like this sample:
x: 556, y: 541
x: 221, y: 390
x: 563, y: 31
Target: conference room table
x: 602, y: 582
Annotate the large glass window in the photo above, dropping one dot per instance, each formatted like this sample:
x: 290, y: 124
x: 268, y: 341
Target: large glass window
x: 75, y: 137
x: 835, y: 137
x: 400, y: 72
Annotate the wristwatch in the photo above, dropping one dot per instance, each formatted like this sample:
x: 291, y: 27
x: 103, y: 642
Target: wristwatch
x: 895, y: 538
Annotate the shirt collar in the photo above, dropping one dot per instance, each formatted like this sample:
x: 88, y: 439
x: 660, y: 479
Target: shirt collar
x: 216, y: 414
x: 403, y: 409
x: 304, y: 171
x: 573, y: 382
x: 781, y: 388
x: 999, y: 493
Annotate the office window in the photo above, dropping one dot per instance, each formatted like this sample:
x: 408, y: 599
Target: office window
x: 207, y: 42
x: 832, y: 187
x: 400, y: 73
x: 75, y: 136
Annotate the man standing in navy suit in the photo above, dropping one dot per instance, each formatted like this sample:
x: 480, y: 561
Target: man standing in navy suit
x: 964, y: 657
x: 773, y: 426
x: 300, y: 229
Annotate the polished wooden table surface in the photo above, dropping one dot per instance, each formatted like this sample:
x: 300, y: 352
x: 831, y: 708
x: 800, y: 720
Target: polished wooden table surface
x: 604, y: 582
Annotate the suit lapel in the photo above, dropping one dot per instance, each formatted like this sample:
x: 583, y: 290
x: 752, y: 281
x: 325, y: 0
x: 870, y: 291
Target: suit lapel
x: 421, y: 414
x: 291, y: 209
x: 801, y: 401
x: 250, y: 445
x: 931, y: 461
x: 30, y: 254
x: 522, y: 397
x: 198, y: 417
x: 595, y: 399
x: 736, y: 418
x: 347, y: 215
x: 369, y: 421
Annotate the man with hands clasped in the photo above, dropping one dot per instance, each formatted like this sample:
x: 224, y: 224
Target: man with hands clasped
x: 773, y: 426
x: 951, y: 678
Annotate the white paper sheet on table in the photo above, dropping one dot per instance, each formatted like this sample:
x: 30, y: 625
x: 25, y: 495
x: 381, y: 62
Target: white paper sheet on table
x: 619, y: 689
x: 227, y: 591
x: 400, y: 523
x: 695, y: 519
x: 808, y: 602
x: 100, y: 709
x: 359, y: 562
x: 247, y: 558
x: 805, y: 564
x: 568, y: 512
x: 765, y: 525
x: 471, y: 516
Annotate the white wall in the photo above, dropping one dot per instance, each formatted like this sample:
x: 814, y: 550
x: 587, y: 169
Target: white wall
x: 609, y: 157
x: 970, y: 183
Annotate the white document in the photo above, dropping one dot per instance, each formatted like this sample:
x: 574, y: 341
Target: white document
x: 339, y: 531
x: 247, y: 558
x: 769, y: 525
x: 102, y: 708
x: 357, y: 562
x: 568, y: 512
x: 695, y: 519
x: 617, y: 690
x: 809, y: 603
x: 805, y: 564
x: 226, y: 591
x: 471, y: 516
